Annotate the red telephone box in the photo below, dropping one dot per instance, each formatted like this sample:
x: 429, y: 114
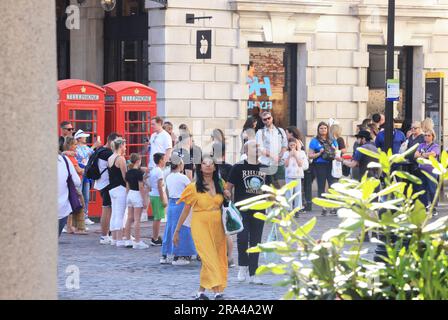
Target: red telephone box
x: 129, y: 109
x: 82, y: 104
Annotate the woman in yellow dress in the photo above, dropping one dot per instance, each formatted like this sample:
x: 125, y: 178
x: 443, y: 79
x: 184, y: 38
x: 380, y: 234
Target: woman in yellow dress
x: 205, y: 196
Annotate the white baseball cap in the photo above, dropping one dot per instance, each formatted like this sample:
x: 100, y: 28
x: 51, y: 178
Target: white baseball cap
x: 81, y: 134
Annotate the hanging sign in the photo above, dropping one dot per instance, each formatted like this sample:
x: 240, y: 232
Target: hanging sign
x: 204, y: 44
x: 393, y: 90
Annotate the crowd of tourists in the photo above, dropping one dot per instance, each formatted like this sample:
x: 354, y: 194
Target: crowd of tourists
x: 188, y: 187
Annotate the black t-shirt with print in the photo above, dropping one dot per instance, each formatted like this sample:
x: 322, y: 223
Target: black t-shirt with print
x: 133, y: 177
x: 248, y: 180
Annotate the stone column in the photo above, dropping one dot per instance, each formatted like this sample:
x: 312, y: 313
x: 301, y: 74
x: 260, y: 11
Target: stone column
x: 87, y: 44
x: 28, y: 175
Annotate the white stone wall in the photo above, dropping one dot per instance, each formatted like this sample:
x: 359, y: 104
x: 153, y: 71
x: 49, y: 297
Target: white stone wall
x: 204, y: 94
x: 332, y: 61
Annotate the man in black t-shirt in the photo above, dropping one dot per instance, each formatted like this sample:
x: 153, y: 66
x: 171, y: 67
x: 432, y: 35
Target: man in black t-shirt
x: 246, y: 179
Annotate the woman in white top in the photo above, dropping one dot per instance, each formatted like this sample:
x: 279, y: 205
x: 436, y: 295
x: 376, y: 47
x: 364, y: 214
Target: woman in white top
x: 176, y: 182
x: 117, y: 190
x: 296, y: 162
x: 64, y: 207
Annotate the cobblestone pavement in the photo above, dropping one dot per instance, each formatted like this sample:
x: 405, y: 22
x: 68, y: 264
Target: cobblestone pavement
x: 110, y: 273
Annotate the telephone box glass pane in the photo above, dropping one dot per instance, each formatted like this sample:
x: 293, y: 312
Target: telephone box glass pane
x: 136, y: 130
x: 85, y: 120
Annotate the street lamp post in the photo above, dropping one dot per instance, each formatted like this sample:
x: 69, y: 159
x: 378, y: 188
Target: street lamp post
x: 380, y: 250
x: 389, y: 113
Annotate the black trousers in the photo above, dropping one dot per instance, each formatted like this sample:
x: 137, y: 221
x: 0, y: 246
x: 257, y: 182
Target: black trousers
x: 249, y: 237
x: 323, y: 174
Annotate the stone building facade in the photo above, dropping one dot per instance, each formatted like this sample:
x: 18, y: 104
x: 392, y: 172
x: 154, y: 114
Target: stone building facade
x: 333, y: 60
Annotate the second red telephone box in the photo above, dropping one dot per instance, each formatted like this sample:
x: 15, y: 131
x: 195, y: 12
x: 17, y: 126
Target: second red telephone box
x: 129, y: 109
x: 82, y: 104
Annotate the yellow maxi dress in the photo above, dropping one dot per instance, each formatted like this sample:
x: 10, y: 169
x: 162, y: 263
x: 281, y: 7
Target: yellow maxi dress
x: 208, y: 236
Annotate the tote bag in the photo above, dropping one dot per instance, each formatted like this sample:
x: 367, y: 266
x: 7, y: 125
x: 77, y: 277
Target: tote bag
x: 231, y: 219
x: 73, y: 196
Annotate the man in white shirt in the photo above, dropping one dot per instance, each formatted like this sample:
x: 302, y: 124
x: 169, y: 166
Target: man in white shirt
x: 160, y: 142
x: 273, y: 143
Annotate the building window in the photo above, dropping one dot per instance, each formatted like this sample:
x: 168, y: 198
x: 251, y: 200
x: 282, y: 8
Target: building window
x: 272, y: 81
x: 126, y: 43
x: 63, y: 40
x: 376, y: 80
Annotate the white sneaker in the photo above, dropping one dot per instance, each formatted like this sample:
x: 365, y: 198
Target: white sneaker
x: 64, y: 230
x: 255, y: 280
x: 105, y: 240
x: 113, y: 242
x: 129, y: 243
x: 243, y: 273
x: 180, y: 262
x: 164, y: 260
x: 121, y: 244
x: 89, y: 222
x: 140, y: 245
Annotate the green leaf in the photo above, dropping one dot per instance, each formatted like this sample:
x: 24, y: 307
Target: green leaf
x: 369, y: 153
x: 444, y: 159
x: 327, y: 203
x: 368, y: 188
x: 259, y: 205
x: 252, y: 200
x: 396, y: 187
x: 351, y: 224
x: 306, y: 228
x: 288, y: 186
x: 254, y: 250
x: 430, y: 177
x: 407, y: 176
x: 333, y: 233
x: 418, y: 214
x: 260, y: 216
x: 436, y: 165
x: 269, y: 189
x: 437, y: 226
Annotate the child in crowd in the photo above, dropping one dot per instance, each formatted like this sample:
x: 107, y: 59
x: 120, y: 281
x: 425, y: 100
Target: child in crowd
x: 296, y: 162
x: 136, y: 201
x: 158, y: 196
x: 176, y: 182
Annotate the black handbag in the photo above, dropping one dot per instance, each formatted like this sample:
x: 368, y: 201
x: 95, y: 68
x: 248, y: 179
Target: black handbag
x: 73, y: 196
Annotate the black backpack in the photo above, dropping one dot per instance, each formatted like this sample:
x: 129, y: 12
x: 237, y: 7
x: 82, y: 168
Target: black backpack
x: 91, y: 171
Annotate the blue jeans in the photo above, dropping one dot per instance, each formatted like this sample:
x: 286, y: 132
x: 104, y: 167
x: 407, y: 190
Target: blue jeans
x: 86, y: 195
x: 430, y: 188
x: 298, y: 189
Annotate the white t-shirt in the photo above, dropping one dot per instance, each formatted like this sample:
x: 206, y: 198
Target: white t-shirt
x: 64, y: 207
x: 154, y: 176
x: 176, y: 183
x: 159, y: 143
x: 293, y: 170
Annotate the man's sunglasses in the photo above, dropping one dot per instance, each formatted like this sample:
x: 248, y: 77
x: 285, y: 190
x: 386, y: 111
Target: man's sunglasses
x: 266, y: 119
x: 69, y: 129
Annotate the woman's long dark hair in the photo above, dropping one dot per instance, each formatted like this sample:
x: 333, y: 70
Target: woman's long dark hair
x: 295, y: 133
x: 322, y: 123
x: 249, y: 124
x: 200, y: 186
